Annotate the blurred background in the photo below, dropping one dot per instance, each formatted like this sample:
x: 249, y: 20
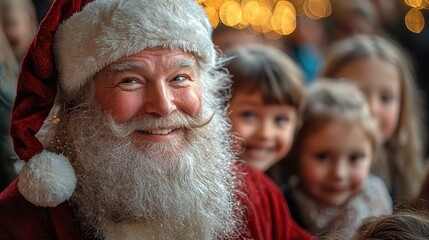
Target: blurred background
x: 304, y: 28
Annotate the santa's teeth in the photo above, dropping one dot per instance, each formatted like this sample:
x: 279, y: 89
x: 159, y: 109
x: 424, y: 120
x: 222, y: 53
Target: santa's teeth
x: 159, y: 131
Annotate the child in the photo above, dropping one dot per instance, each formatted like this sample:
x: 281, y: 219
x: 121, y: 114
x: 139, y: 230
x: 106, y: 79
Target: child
x: 19, y: 21
x: 381, y: 69
x: 332, y: 156
x: 267, y: 101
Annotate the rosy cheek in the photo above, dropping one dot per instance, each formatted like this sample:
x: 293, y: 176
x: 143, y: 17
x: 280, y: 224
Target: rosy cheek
x: 122, y: 107
x: 287, y: 141
x: 310, y: 178
x: 393, y: 118
x: 188, y: 101
x: 309, y: 174
x: 358, y: 181
x: 243, y: 130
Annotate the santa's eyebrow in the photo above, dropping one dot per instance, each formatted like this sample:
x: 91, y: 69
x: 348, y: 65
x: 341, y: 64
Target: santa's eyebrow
x: 184, y: 63
x: 126, y: 66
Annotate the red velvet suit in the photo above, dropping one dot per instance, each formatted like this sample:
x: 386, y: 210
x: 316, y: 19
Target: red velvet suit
x: 267, y: 214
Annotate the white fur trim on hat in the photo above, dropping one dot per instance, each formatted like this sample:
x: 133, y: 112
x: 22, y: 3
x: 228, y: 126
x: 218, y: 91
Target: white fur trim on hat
x: 47, y: 179
x: 107, y: 30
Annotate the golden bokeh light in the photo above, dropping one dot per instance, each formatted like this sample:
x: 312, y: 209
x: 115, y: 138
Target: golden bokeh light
x: 413, y: 3
x: 414, y: 20
x: 423, y: 5
x: 317, y: 9
x: 250, y: 10
x: 419, y: 4
x: 216, y: 4
x: 263, y: 15
x: 230, y: 13
x: 213, y: 16
x: 283, y: 19
x: 272, y: 35
x: 278, y: 17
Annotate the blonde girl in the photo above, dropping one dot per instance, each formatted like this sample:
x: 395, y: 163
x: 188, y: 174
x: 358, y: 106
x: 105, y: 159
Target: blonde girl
x: 331, y: 189
x: 383, y: 71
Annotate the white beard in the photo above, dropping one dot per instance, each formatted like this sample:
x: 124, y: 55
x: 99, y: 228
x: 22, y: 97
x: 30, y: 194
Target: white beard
x: 175, y: 190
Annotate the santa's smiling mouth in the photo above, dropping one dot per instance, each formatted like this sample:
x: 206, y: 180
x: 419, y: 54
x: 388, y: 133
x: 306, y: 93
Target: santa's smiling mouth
x: 164, y: 134
x: 158, y: 131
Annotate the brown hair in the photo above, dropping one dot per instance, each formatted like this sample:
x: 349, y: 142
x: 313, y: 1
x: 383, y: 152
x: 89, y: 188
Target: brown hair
x: 424, y: 191
x: 404, y: 225
x: 268, y: 70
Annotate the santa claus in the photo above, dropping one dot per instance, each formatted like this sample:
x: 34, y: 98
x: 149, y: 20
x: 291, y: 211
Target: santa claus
x: 119, y: 116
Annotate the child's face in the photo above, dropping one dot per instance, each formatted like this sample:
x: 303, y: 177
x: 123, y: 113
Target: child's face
x: 19, y: 27
x: 267, y: 129
x: 334, y: 161
x: 380, y: 82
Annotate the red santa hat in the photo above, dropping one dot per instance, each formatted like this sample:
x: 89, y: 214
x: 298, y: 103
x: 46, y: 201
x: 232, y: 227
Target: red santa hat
x: 76, y: 40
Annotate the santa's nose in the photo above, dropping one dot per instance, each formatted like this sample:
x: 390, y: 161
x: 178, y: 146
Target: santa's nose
x: 159, y: 100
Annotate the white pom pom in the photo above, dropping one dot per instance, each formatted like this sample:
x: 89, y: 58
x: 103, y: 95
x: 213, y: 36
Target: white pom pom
x: 47, y: 179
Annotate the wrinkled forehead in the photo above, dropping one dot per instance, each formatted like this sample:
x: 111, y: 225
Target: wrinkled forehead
x: 151, y: 58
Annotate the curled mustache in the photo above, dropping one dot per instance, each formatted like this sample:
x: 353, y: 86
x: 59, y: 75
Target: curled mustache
x: 173, y: 121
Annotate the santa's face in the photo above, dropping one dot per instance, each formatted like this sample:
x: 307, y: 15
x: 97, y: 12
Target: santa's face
x: 156, y: 82
x: 149, y: 153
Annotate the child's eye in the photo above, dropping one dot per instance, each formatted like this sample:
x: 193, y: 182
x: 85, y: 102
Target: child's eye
x: 387, y: 99
x: 248, y: 115
x: 356, y: 157
x: 281, y: 119
x: 323, y: 156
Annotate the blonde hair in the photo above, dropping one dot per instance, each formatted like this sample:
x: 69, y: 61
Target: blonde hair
x: 405, y: 148
x: 328, y: 102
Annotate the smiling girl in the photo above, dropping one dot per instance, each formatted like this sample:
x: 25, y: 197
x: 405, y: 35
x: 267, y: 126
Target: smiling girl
x: 267, y: 101
x: 332, y: 155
